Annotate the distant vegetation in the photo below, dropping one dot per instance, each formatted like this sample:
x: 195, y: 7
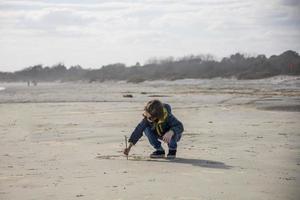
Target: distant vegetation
x: 237, y: 65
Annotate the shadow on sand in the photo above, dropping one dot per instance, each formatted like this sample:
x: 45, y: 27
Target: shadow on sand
x: 193, y: 162
x: 188, y: 161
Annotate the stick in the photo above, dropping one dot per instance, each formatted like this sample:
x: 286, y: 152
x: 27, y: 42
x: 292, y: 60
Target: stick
x: 126, y: 145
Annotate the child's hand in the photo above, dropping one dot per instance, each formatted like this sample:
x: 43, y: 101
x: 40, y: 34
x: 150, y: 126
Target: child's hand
x: 167, y: 137
x: 126, y: 151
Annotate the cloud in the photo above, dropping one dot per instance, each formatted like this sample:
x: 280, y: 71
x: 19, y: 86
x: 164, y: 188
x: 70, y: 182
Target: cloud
x: 51, y: 19
x: 291, y: 2
x: 131, y: 31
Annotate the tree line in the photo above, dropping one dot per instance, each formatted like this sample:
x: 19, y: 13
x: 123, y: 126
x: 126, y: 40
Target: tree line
x: 237, y: 65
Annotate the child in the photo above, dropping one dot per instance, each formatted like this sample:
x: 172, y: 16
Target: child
x: 158, y: 123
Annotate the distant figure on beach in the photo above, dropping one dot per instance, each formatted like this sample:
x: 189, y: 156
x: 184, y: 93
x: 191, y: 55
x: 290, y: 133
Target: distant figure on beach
x: 34, y: 82
x: 28, y: 83
x: 158, y: 123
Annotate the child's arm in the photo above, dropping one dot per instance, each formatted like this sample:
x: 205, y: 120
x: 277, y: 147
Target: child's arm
x: 175, y: 124
x: 136, y: 135
x: 138, y: 132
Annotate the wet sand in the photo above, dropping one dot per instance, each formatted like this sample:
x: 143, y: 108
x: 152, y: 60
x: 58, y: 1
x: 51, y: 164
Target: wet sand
x: 61, y: 143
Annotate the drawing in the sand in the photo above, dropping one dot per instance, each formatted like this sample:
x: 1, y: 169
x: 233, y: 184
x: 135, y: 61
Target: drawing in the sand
x: 158, y: 124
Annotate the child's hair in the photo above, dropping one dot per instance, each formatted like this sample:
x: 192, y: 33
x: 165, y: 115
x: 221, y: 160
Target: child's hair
x: 155, y: 109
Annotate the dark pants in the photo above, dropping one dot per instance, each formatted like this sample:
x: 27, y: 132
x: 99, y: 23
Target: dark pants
x: 153, y: 139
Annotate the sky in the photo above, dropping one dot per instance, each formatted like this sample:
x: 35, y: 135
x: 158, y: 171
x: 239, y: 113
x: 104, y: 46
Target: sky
x: 93, y: 33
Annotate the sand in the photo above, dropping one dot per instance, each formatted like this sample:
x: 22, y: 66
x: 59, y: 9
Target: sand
x: 65, y: 141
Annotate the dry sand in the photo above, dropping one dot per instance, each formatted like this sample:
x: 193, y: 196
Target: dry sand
x: 65, y: 141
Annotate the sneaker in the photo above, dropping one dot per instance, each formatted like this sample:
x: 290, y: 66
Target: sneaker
x: 171, y: 155
x: 158, y: 154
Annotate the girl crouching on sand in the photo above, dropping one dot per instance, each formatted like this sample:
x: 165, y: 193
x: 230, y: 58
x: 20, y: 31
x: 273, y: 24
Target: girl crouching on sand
x: 158, y: 123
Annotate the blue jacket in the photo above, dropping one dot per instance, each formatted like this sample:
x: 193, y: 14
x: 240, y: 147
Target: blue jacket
x: 170, y: 122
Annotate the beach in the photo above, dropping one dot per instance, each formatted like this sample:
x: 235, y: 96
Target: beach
x: 65, y: 140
